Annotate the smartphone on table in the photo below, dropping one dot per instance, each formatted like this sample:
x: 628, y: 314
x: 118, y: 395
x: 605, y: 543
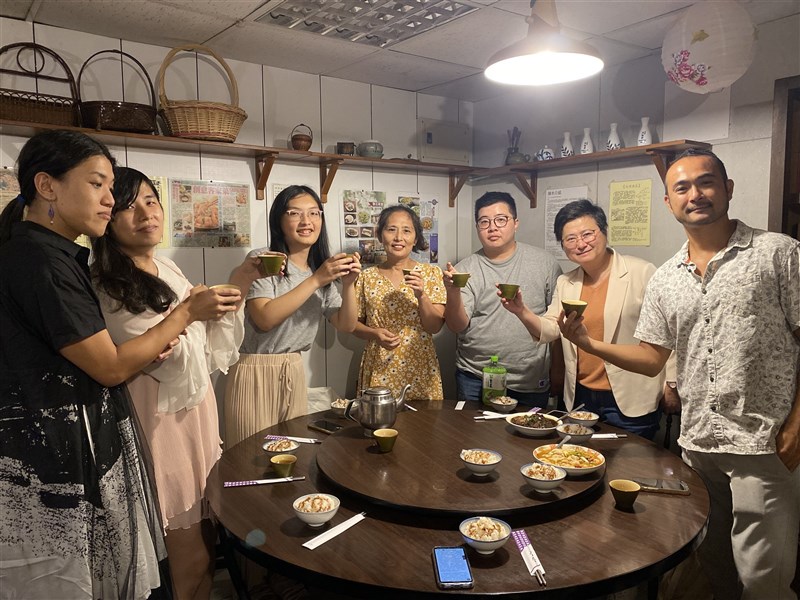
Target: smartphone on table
x: 324, y: 426
x: 451, y: 567
x: 663, y: 486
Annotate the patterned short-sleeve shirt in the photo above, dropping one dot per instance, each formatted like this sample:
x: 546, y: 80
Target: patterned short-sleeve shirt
x: 733, y: 332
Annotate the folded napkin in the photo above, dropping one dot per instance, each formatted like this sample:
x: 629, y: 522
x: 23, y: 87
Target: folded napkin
x: 333, y: 531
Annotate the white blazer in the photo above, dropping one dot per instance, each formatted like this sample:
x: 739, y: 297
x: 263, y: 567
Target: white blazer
x: 636, y: 395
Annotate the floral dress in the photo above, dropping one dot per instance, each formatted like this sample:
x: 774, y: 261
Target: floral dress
x: 381, y: 305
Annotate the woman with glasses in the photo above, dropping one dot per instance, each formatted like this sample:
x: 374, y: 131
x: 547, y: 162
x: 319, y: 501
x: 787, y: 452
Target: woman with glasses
x: 282, y: 316
x: 399, y: 314
x: 613, y: 286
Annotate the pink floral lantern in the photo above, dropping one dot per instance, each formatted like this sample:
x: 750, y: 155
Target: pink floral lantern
x: 710, y: 47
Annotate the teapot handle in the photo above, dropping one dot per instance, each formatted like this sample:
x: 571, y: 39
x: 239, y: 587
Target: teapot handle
x: 348, y: 409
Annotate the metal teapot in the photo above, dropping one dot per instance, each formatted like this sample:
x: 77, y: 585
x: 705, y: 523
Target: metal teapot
x: 376, y: 408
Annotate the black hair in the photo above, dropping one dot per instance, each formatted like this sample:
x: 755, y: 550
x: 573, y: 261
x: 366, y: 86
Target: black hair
x: 113, y: 271
x: 490, y: 198
x: 703, y: 153
x: 319, y: 252
x: 55, y: 152
x: 577, y: 209
x: 419, y: 241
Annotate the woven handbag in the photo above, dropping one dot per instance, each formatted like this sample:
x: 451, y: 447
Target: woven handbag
x: 197, y: 119
x: 119, y: 116
x: 36, y: 107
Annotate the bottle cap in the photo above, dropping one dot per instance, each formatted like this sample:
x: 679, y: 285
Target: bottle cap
x: 494, y: 358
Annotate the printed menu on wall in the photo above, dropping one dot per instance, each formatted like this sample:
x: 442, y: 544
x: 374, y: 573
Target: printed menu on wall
x: 629, y: 213
x: 209, y: 213
x: 360, y: 212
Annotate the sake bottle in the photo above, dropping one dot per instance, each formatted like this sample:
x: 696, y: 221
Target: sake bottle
x: 494, y: 381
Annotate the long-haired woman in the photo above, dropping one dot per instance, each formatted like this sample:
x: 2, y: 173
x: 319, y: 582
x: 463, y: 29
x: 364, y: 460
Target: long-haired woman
x: 78, y: 516
x: 174, y: 400
x: 268, y: 384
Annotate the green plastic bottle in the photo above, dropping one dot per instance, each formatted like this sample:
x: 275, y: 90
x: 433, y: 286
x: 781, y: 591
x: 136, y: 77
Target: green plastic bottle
x: 494, y: 381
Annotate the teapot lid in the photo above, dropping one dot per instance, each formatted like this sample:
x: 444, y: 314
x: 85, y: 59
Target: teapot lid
x: 378, y: 391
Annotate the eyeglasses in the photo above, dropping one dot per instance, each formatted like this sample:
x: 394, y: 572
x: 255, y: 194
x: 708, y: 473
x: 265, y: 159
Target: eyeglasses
x: 499, y: 221
x: 295, y: 215
x: 571, y: 241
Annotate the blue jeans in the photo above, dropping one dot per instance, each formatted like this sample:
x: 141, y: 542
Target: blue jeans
x: 468, y: 387
x: 604, y: 404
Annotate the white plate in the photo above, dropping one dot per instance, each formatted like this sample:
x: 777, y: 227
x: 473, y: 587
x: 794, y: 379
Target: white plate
x: 533, y: 431
x: 567, y: 448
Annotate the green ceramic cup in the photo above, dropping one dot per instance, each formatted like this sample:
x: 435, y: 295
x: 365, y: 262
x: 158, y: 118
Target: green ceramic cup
x: 385, y: 439
x: 460, y: 279
x: 283, y: 464
x: 577, y: 306
x: 272, y: 263
x: 407, y: 272
x: 508, y: 290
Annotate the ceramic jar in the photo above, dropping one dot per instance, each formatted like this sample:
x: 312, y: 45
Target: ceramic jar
x: 514, y: 157
x: 545, y: 153
x: 644, y: 138
x: 613, y: 142
x: 566, y: 145
x: 587, y: 147
x: 370, y: 149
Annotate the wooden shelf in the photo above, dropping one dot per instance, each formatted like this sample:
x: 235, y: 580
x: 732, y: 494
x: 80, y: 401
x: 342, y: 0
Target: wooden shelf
x: 527, y: 173
x: 266, y: 157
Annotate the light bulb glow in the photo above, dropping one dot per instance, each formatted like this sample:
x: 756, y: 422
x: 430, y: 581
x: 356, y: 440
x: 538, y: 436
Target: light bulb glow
x: 544, y: 68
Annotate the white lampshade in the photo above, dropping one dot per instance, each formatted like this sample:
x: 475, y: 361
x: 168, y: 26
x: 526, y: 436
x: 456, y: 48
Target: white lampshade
x: 710, y: 47
x: 544, y: 56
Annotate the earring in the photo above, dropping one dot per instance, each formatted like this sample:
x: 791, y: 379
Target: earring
x: 51, y: 212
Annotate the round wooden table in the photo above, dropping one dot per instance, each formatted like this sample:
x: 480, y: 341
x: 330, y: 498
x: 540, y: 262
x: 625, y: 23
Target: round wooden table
x: 415, y: 497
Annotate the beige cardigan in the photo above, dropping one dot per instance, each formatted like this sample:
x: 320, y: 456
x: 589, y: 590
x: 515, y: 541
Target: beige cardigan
x: 636, y: 395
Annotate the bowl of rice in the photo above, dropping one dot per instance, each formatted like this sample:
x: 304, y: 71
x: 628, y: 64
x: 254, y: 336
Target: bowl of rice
x: 503, y: 404
x: 543, y: 478
x: 280, y: 446
x: 577, y: 433
x: 315, y: 509
x: 484, y: 534
x: 338, y: 406
x: 583, y: 417
x: 480, y: 461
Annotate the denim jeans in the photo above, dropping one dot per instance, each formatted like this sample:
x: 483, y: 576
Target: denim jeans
x: 604, y: 404
x: 468, y: 387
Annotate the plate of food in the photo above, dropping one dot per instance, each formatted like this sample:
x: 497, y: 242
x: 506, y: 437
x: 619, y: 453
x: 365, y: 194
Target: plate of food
x: 351, y: 232
x: 349, y: 206
x: 533, y: 424
x: 575, y: 460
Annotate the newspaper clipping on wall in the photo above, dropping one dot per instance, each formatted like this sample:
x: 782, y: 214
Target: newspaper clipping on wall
x: 629, y: 213
x: 210, y: 214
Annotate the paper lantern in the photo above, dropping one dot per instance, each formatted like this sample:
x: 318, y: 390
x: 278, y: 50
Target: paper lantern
x: 710, y: 47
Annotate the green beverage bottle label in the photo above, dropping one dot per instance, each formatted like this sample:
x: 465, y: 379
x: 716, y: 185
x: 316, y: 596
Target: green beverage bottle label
x: 494, y: 381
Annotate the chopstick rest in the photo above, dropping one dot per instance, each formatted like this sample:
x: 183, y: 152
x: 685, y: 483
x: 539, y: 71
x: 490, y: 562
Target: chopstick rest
x: 261, y: 481
x: 460, y: 405
x: 532, y: 562
x: 334, y: 531
x: 299, y: 440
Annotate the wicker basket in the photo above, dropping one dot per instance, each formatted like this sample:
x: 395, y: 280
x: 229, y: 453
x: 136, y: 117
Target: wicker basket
x: 196, y: 119
x: 119, y: 116
x: 35, y: 107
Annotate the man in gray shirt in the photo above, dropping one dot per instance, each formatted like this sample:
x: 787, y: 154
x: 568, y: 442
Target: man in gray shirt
x: 475, y: 313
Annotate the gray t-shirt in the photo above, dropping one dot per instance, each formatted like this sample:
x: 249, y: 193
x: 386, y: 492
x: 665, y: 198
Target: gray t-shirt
x: 296, y: 333
x: 494, y: 330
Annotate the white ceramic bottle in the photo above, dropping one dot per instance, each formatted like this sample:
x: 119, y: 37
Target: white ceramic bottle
x: 644, y: 138
x: 566, y: 145
x: 613, y: 142
x: 587, y: 147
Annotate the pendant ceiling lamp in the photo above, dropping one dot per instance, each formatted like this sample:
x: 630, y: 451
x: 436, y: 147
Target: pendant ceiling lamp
x: 544, y: 56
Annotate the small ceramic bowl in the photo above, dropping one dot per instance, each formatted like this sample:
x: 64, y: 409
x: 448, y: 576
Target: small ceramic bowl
x: 538, y: 476
x: 338, y: 406
x: 583, y: 417
x: 625, y: 492
x: 460, y: 279
x: 508, y: 290
x: 479, y: 469
x: 485, y: 546
x: 307, y: 508
x: 577, y: 306
x: 577, y: 433
x: 553, y: 422
x: 503, y: 404
x: 274, y: 447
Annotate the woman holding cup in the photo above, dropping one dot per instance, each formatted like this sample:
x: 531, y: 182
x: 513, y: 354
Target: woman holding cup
x: 612, y: 287
x: 174, y: 399
x: 282, y: 316
x: 400, y: 308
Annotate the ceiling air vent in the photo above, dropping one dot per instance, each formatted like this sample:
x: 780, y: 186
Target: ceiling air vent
x: 378, y: 23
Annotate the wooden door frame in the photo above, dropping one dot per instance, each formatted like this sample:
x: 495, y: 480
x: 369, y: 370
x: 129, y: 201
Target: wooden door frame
x: 780, y: 105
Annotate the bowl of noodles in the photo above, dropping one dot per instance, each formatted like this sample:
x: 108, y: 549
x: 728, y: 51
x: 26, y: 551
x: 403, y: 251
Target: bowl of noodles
x: 575, y: 460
